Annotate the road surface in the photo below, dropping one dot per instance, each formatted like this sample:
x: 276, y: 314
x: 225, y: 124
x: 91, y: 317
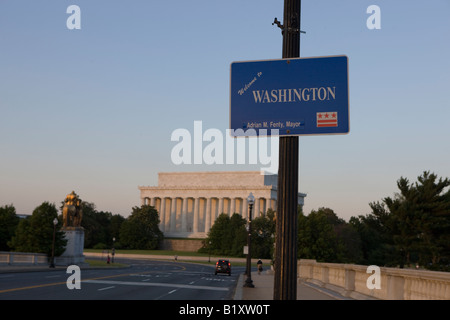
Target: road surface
x: 144, y: 280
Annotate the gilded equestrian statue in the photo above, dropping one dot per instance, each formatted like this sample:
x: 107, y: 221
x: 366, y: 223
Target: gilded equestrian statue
x: 72, y: 211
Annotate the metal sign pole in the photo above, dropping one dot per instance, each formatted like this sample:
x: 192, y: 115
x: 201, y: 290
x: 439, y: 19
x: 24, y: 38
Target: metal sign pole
x: 285, y: 282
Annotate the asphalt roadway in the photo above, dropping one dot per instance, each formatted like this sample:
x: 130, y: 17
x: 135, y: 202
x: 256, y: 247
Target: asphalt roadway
x: 143, y: 280
x: 180, y: 289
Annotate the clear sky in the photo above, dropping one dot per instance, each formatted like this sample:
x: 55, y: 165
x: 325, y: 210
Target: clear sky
x: 92, y: 110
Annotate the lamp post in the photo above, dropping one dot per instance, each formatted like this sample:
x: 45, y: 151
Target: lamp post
x: 52, y: 261
x: 209, y: 258
x: 249, y: 283
x: 113, y: 250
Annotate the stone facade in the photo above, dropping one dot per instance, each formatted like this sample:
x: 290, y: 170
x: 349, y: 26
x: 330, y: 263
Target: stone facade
x: 189, y: 202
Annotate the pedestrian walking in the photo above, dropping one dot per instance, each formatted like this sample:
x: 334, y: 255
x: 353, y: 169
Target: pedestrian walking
x: 259, y: 264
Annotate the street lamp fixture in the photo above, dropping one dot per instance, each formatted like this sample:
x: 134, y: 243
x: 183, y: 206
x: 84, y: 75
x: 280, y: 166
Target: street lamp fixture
x: 209, y: 246
x: 113, y: 250
x: 52, y: 260
x: 251, y: 201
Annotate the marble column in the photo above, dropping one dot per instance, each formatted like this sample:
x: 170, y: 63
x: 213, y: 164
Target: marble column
x: 273, y: 204
x: 257, y: 209
x: 162, y: 214
x: 214, y: 213
x: 238, y: 206
x: 184, y: 215
x: 208, y: 215
x: 220, y: 210
x: 195, y: 222
x: 232, y: 206
x: 173, y: 215
x: 245, y: 208
x: 152, y: 201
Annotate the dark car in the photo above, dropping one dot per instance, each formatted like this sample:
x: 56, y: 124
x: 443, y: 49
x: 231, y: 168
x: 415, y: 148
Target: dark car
x: 223, y: 266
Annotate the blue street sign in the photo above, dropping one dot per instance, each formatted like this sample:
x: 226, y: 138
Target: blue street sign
x: 299, y: 96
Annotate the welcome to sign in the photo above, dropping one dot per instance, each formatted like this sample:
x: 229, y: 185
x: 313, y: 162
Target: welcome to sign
x: 300, y: 96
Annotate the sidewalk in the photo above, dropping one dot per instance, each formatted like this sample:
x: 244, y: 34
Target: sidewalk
x: 263, y: 289
x: 31, y: 268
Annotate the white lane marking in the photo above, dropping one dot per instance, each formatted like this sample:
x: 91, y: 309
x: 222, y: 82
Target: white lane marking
x: 106, y: 288
x: 156, y: 284
x: 165, y: 294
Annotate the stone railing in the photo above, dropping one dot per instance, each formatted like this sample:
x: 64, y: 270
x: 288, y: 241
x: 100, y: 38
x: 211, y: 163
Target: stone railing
x: 394, y: 284
x: 22, y: 258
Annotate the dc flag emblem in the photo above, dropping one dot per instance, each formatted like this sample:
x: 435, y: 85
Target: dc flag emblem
x: 327, y: 119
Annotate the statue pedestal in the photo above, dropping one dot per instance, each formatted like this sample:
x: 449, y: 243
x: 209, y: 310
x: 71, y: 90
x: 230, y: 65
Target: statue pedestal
x: 74, y: 247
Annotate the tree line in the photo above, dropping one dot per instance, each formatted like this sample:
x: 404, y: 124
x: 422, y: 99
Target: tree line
x: 102, y: 230
x: 411, y: 228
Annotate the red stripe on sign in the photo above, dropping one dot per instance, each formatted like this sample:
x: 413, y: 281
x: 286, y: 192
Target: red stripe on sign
x: 327, y: 119
x: 327, y: 125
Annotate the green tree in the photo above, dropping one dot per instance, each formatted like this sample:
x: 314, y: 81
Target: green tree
x: 263, y: 231
x: 227, y: 236
x: 316, y: 237
x: 219, y: 237
x: 96, y: 226
x: 411, y: 227
x: 8, y: 224
x: 140, y: 230
x: 323, y: 236
x: 376, y: 243
x: 35, y: 234
x: 239, y: 234
x: 114, y: 229
x: 421, y: 216
x: 432, y: 200
x: 349, y: 242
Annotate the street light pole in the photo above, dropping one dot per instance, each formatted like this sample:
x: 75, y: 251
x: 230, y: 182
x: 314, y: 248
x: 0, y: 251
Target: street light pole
x: 209, y: 257
x: 52, y: 260
x: 249, y: 283
x: 113, y: 251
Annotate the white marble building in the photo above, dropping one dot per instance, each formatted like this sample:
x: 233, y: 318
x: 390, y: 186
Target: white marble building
x: 189, y: 202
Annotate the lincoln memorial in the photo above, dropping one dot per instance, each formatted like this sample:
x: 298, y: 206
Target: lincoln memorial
x: 188, y: 203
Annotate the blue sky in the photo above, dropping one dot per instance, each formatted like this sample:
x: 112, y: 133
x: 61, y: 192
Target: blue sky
x: 92, y: 110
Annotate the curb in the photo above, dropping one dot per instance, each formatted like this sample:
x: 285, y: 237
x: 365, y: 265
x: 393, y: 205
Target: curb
x: 238, y: 289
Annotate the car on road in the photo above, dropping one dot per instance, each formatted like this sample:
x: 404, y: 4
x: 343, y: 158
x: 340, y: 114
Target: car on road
x: 223, y: 266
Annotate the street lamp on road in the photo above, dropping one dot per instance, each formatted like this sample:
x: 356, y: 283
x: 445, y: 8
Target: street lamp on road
x: 209, y: 258
x: 113, y: 250
x: 249, y: 283
x: 52, y: 261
